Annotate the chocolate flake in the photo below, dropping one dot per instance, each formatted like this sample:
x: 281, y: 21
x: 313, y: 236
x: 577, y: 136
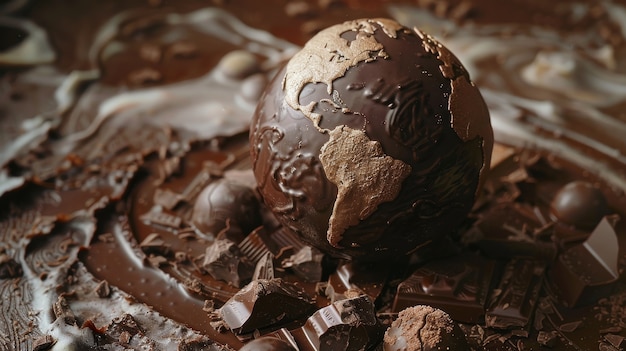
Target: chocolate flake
x: 570, y: 327
x: 547, y: 339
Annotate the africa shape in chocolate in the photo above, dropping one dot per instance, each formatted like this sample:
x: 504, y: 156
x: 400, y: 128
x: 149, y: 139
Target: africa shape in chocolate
x: 372, y: 141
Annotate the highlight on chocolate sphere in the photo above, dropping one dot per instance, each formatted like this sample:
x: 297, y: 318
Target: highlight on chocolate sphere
x: 372, y: 141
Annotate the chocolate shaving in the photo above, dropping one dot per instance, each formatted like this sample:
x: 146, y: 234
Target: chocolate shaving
x: 103, y: 289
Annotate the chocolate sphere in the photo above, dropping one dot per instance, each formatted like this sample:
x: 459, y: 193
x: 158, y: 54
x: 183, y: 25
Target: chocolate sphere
x: 424, y: 328
x: 579, y: 204
x: 371, y: 142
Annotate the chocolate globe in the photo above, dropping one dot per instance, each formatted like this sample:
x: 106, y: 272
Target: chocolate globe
x: 371, y: 141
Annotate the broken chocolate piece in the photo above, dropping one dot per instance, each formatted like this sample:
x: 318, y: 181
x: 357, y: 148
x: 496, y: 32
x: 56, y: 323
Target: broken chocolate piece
x: 516, y: 296
x: 367, y: 278
x: 224, y: 261
x: 265, y: 268
x: 344, y: 325
x: 306, y: 263
x: 62, y: 310
x: 458, y: 285
x: 586, y: 272
x: 265, y: 305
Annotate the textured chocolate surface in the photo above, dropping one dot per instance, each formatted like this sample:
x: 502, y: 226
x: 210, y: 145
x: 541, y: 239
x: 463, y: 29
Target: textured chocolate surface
x: 121, y: 113
x: 360, y: 147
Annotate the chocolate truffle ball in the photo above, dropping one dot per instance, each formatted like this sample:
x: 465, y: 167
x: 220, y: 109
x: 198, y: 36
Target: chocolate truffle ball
x: 225, y: 201
x: 424, y: 328
x: 579, y: 204
x: 372, y: 141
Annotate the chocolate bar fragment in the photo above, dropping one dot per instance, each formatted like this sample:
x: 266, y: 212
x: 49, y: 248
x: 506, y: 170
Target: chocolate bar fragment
x: 507, y: 230
x: 587, y: 271
x: 457, y: 285
x: 366, y: 278
x: 349, y: 324
x: 265, y: 305
x: 224, y: 261
x: 515, y: 298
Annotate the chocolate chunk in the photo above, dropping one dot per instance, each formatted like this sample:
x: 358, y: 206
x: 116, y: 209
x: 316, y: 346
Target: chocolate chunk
x: 124, y: 328
x: 508, y: 230
x: 9, y: 268
x: 515, y: 298
x: 547, y: 339
x: 367, y: 278
x: 265, y: 268
x: 579, y: 204
x: 265, y: 305
x: 585, y: 272
x: 424, y: 328
x: 617, y: 341
x: 224, y: 261
x: 458, y: 285
x: 254, y: 246
x: 306, y: 263
x: 63, y: 311
x: 267, y: 343
x: 344, y: 325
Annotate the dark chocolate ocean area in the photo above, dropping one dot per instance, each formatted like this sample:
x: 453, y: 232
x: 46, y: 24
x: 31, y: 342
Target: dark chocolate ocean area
x: 130, y: 218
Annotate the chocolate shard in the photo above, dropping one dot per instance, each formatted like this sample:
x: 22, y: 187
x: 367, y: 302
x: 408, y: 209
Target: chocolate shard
x: 63, y: 311
x: 516, y: 297
x: 254, y: 245
x: 124, y: 327
x: 224, y: 261
x: 588, y: 271
x: 265, y: 305
x: 368, y: 278
x: 306, y: 263
x: 264, y: 268
x: 349, y: 324
x: 457, y: 285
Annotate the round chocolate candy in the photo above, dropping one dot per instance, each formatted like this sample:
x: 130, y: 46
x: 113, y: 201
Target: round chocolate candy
x: 424, y: 328
x: 372, y: 141
x: 579, y: 204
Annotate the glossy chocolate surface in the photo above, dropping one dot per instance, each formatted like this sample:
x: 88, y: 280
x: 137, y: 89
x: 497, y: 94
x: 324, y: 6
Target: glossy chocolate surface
x: 403, y: 100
